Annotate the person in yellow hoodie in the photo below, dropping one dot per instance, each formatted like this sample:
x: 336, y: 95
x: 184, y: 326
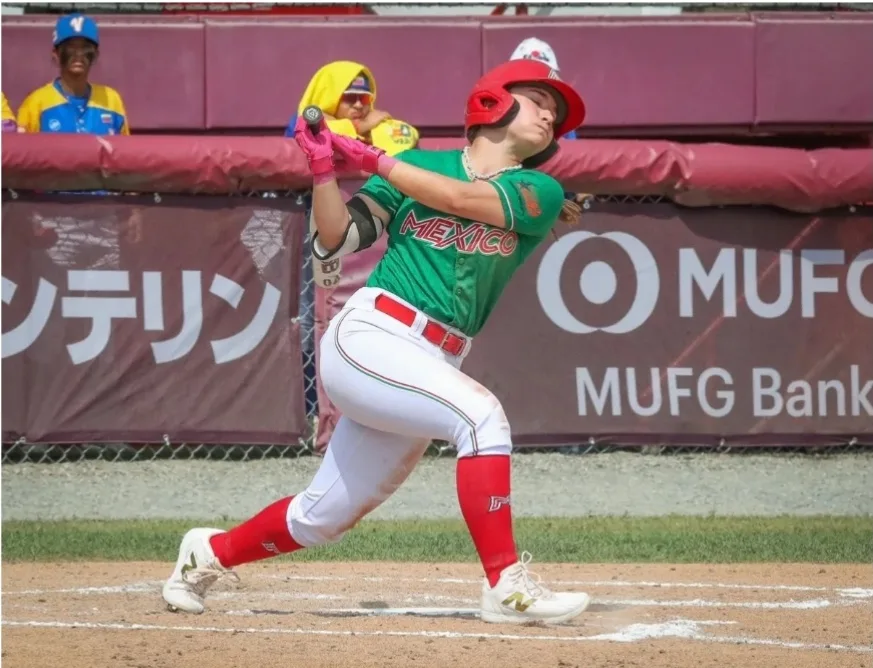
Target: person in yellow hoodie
x: 9, y: 124
x: 346, y: 92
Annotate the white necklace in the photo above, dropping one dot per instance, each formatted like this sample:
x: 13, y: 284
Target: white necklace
x: 474, y: 175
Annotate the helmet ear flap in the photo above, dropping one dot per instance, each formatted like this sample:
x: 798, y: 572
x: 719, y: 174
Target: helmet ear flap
x: 487, y: 100
x: 491, y: 104
x: 509, y: 116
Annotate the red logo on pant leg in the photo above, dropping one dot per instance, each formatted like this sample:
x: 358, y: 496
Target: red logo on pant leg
x: 497, y: 502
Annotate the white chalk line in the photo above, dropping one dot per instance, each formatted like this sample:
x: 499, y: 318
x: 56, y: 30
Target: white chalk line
x: 379, y: 612
x: 132, y: 588
x: 153, y: 588
x: 741, y: 640
x: 811, y: 604
x: 856, y: 593
x: 687, y: 629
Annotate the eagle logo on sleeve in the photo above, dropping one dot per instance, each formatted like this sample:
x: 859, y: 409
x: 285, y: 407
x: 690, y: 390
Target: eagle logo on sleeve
x: 529, y: 197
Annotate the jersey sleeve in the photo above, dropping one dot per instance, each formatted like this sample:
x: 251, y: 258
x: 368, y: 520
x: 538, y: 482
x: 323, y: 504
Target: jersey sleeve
x: 386, y: 195
x: 29, y: 113
x: 531, y: 201
x: 8, y: 114
x: 122, y: 112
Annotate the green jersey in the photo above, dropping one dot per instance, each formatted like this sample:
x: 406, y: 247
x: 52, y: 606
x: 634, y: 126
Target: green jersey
x: 451, y: 268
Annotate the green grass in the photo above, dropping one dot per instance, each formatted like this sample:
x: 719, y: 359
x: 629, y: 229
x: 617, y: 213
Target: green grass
x: 671, y: 539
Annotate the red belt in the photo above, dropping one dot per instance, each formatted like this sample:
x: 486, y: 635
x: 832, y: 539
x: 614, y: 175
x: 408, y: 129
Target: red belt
x: 433, y: 332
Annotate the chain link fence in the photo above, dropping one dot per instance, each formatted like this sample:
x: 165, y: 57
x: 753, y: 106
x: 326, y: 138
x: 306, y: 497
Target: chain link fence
x: 21, y: 451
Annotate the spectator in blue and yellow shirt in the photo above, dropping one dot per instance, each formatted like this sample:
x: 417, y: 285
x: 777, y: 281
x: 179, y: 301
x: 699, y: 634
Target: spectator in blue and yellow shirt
x: 71, y: 103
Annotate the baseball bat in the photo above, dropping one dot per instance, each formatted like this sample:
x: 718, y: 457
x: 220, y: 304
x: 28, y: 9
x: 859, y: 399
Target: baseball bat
x: 313, y: 115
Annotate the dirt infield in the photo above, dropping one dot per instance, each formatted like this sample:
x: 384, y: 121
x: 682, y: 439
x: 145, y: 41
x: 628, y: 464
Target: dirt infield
x: 81, y: 615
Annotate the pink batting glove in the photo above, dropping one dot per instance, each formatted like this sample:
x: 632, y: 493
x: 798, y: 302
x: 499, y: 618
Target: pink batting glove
x: 362, y: 156
x: 318, y: 149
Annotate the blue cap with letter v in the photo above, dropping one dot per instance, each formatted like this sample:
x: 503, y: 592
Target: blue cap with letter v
x: 75, y: 25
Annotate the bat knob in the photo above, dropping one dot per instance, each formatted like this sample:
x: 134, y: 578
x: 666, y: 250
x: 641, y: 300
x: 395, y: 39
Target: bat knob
x: 313, y: 117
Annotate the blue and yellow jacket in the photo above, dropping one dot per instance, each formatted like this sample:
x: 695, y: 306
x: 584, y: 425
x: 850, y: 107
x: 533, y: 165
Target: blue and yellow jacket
x: 325, y: 90
x: 50, y: 109
x: 7, y: 110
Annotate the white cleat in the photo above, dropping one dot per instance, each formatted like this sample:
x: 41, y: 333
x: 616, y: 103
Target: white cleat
x: 196, y: 571
x: 519, y: 598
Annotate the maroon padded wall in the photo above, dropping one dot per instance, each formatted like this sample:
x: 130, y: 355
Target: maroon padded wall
x: 746, y: 72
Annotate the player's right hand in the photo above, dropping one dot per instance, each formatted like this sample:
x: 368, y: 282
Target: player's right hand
x: 317, y: 148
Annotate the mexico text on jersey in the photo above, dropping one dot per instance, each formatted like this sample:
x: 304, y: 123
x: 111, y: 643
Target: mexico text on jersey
x: 454, y: 269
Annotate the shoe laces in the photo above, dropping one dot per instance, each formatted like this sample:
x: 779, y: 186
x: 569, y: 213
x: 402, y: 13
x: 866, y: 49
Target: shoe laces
x: 524, y: 578
x: 200, y: 579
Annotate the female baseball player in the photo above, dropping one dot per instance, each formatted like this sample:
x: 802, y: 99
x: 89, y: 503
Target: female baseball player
x: 459, y: 224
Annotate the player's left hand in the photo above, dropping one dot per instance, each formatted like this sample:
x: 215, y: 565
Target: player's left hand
x: 360, y: 155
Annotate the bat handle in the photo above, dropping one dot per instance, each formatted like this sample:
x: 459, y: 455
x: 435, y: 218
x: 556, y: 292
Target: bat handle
x: 313, y: 117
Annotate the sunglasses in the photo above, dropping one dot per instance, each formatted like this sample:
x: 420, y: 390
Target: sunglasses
x: 352, y: 98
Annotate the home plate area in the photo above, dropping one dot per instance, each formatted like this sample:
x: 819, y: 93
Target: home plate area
x: 385, y: 614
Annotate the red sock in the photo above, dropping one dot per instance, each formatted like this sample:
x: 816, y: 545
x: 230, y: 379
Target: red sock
x: 265, y: 535
x: 483, y: 493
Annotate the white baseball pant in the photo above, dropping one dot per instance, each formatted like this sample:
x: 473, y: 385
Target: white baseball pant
x: 396, y: 392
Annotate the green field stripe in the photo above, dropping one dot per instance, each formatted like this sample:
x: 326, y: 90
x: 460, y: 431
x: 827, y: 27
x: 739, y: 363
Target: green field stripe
x: 403, y: 386
x: 672, y: 539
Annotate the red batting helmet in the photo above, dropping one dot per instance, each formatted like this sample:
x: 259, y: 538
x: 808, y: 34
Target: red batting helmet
x: 490, y: 102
